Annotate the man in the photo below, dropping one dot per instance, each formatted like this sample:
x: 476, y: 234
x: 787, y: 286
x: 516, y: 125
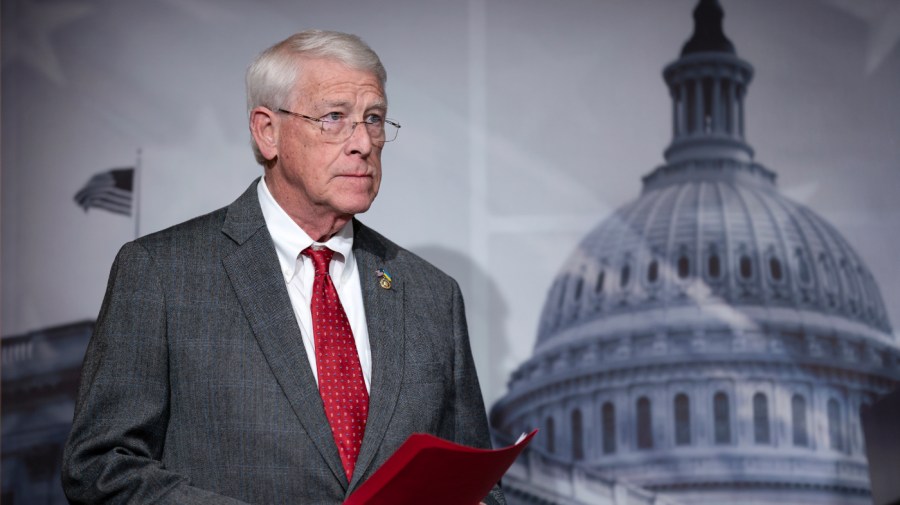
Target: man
x: 209, y: 379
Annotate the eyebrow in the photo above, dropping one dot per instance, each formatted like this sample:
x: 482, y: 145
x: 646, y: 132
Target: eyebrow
x: 380, y: 105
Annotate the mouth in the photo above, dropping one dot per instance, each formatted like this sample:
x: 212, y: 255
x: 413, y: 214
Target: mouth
x: 355, y: 179
x: 361, y: 175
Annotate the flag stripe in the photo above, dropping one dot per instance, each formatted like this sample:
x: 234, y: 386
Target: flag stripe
x: 107, y: 199
x: 118, y: 209
x: 111, y: 192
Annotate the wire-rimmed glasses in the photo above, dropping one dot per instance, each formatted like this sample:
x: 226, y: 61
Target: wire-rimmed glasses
x: 337, y: 128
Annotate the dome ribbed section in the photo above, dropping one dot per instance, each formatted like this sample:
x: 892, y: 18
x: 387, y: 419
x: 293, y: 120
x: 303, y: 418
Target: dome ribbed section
x: 714, y: 233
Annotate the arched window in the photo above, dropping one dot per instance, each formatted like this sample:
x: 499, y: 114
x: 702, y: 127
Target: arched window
x: 644, y: 424
x: 682, y: 419
x: 609, y: 428
x: 577, y: 436
x: 775, y: 268
x: 798, y: 419
x: 579, y: 284
x: 684, y: 266
x: 835, y: 433
x: 653, y: 271
x: 761, y: 434
x: 626, y: 275
x: 746, y: 267
x: 600, y: 278
x: 550, y: 439
x: 722, y: 418
x: 714, y: 267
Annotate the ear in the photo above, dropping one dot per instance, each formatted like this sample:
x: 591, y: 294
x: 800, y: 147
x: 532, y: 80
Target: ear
x: 264, y: 129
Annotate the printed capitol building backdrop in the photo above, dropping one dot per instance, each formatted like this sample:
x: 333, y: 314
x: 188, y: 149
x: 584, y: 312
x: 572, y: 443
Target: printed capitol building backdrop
x: 710, y: 342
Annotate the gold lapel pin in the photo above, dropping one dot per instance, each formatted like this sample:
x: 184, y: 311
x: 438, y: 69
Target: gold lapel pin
x: 385, y: 278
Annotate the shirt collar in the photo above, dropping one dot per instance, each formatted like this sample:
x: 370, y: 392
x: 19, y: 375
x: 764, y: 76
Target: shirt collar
x: 290, y: 239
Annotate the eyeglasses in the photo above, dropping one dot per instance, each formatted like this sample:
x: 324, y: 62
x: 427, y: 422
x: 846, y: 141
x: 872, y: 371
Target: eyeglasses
x: 337, y: 128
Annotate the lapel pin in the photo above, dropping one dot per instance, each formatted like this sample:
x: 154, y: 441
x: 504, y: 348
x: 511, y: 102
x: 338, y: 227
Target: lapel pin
x: 385, y: 277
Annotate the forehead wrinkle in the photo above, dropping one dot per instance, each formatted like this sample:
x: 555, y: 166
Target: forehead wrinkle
x: 335, y: 103
x: 346, y: 104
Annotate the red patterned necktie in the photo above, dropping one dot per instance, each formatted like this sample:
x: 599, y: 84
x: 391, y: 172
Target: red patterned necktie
x: 341, y: 383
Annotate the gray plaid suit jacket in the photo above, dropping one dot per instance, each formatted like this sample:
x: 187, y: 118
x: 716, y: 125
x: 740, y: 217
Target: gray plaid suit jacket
x: 196, y: 387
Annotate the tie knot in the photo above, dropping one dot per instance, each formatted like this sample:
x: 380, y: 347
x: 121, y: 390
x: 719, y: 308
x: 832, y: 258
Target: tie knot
x: 321, y: 258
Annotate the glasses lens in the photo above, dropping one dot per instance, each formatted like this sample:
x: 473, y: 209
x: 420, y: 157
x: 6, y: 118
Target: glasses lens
x: 390, y: 131
x: 376, y: 132
x: 340, y: 131
x: 335, y: 130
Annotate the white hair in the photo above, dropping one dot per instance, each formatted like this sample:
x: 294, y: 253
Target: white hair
x: 272, y: 75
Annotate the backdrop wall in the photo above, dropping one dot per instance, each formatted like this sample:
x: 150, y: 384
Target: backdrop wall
x: 525, y: 124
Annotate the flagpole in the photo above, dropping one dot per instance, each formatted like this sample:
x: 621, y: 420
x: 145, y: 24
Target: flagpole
x: 137, y: 196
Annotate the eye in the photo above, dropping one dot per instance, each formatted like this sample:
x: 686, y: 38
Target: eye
x: 332, y: 117
x: 374, y: 119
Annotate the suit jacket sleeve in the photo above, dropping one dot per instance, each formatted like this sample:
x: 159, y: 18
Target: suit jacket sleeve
x: 113, y: 454
x: 471, y: 422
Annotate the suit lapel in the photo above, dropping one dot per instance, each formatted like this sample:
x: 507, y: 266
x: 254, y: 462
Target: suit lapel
x: 384, y: 320
x: 256, y: 277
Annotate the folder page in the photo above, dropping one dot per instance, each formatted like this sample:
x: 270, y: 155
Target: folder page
x: 427, y: 469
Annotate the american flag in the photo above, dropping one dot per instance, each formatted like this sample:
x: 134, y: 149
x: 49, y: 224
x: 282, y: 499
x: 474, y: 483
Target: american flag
x: 111, y: 190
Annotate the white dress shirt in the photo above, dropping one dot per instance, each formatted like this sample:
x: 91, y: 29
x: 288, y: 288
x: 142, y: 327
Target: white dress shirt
x: 290, y: 240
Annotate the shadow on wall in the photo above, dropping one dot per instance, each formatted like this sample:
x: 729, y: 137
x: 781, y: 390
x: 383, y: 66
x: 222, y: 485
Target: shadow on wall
x: 486, y: 311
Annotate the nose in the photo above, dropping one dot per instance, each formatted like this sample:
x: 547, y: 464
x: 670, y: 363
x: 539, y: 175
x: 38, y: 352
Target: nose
x: 360, y: 142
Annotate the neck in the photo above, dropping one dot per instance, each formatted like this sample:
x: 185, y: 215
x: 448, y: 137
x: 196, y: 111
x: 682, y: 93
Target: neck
x: 319, y: 223
x: 321, y: 232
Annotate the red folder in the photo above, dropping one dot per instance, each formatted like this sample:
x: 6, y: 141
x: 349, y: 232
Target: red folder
x: 427, y: 469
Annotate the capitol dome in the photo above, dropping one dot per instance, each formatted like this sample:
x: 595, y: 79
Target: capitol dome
x: 711, y: 341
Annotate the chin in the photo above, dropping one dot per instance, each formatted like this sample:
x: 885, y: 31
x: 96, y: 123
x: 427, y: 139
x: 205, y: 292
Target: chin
x: 358, y: 206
